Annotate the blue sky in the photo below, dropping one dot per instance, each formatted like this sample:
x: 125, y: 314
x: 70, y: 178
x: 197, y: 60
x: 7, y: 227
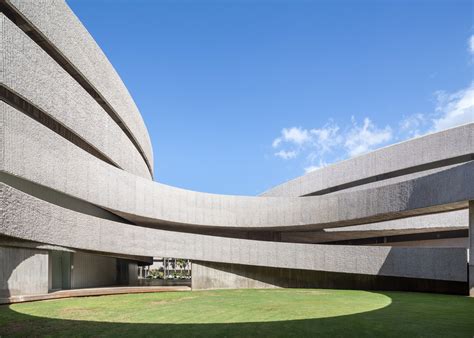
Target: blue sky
x: 239, y: 96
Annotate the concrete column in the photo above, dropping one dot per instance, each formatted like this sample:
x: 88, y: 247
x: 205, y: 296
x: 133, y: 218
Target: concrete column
x: 471, y: 248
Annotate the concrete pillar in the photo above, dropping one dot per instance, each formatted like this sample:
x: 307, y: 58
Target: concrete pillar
x: 471, y: 248
x: 23, y: 271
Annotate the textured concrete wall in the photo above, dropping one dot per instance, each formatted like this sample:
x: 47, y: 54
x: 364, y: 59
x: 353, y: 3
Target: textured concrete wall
x: 61, y: 97
x: 38, y: 154
x: 23, y: 271
x: 454, y: 220
x: 433, y: 243
x: 92, y: 270
x: 30, y: 218
x: 209, y: 275
x: 58, y: 24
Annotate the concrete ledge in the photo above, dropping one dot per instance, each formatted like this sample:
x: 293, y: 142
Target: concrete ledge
x: 93, y: 292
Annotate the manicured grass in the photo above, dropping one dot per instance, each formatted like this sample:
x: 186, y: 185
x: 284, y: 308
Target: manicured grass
x: 246, y: 313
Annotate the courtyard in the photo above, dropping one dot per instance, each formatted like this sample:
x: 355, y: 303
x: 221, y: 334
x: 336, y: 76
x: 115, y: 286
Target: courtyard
x: 245, y: 313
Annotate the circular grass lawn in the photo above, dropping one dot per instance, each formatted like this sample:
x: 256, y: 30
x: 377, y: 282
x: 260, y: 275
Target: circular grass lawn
x: 245, y: 313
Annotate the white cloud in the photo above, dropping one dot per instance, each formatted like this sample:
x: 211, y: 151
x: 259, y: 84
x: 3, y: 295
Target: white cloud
x: 276, y: 142
x: 286, y: 155
x: 413, y: 126
x: 313, y: 167
x: 329, y: 143
x: 316, y: 141
x: 324, y: 141
x: 362, y: 139
x: 295, y: 135
x: 326, y: 137
x: 454, y: 109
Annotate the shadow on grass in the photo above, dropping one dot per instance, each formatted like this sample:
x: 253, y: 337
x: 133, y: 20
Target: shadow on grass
x: 409, y: 314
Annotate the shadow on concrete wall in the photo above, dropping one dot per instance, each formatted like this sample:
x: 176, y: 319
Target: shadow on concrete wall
x: 10, y: 261
x: 407, y: 315
x: 296, y: 278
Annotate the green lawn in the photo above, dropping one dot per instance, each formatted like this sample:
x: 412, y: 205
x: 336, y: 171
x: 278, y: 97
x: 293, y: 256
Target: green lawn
x: 245, y: 313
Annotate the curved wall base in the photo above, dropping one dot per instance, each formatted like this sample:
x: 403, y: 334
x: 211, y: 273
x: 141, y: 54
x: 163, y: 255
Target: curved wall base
x: 208, y: 275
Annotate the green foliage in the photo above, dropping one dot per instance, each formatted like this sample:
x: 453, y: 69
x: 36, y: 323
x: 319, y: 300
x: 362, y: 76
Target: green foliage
x: 156, y: 274
x: 181, y: 263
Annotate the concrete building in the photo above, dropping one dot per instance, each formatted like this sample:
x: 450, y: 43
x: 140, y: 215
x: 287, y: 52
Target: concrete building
x: 79, y: 206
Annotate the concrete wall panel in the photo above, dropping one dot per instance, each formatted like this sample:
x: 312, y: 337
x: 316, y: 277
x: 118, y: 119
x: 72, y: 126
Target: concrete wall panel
x: 35, y: 76
x: 23, y: 271
x: 59, y: 25
x: 92, y: 270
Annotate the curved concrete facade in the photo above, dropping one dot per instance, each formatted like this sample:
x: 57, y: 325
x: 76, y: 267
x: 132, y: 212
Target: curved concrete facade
x: 64, y: 100
x: 76, y: 174
x: 57, y: 25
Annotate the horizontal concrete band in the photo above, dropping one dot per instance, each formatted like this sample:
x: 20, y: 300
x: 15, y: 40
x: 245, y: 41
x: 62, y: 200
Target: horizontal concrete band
x: 88, y: 292
x: 37, y: 154
x: 416, y: 154
x: 447, y: 221
x: 58, y: 27
x: 33, y: 75
x: 30, y: 218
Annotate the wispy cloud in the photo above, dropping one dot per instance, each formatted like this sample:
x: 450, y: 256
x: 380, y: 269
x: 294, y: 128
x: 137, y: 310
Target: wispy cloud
x: 330, y: 143
x: 413, y: 125
x: 295, y: 135
x: 361, y: 139
x: 286, y: 155
x: 314, y: 142
x: 326, y: 138
x: 320, y: 144
x: 454, y: 109
x: 314, y: 167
